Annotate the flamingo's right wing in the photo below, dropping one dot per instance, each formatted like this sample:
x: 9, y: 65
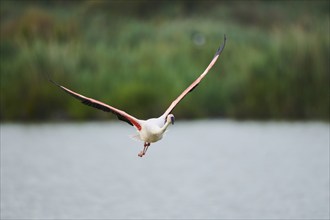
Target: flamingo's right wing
x: 121, y: 115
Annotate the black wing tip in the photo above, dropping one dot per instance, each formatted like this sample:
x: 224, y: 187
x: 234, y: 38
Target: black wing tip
x: 55, y: 83
x: 220, y: 49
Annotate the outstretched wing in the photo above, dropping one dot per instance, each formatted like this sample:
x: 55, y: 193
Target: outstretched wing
x: 121, y: 115
x: 197, y: 81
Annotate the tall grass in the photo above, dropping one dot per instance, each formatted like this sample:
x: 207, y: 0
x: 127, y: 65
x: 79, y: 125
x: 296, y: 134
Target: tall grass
x: 275, y: 64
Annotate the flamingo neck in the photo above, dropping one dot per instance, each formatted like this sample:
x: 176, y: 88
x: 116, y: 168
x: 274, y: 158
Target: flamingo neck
x: 165, y: 126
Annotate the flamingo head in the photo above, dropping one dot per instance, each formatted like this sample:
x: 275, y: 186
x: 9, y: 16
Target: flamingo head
x: 170, y: 119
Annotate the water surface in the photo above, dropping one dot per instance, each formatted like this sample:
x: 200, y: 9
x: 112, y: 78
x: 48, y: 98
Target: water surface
x: 200, y: 170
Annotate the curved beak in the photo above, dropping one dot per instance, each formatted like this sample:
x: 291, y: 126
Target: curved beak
x: 172, y: 120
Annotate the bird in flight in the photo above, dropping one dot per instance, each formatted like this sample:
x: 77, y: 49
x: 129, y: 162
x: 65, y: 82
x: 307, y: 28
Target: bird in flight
x: 151, y: 130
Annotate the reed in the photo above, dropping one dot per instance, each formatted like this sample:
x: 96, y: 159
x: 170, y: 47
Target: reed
x: 272, y: 67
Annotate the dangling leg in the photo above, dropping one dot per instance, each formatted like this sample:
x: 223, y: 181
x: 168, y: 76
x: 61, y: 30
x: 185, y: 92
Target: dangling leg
x: 145, y: 148
x: 143, y: 151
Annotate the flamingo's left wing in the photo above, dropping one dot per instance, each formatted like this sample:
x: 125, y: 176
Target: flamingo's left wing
x: 197, y: 81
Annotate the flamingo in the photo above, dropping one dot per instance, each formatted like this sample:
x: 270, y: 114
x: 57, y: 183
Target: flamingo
x: 151, y: 130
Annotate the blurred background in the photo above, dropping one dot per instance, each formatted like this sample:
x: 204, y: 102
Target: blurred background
x: 139, y: 55
x: 251, y: 142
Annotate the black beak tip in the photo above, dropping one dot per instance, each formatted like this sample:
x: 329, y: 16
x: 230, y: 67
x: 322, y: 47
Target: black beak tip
x: 172, y: 120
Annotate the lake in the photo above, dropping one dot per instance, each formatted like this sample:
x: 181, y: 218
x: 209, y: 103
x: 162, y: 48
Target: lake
x: 206, y: 169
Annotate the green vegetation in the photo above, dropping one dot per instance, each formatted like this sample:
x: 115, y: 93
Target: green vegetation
x: 139, y: 55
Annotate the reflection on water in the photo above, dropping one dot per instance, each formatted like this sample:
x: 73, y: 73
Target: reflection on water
x: 201, y: 169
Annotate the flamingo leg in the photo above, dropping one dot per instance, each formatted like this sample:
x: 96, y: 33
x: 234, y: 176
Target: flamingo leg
x: 145, y: 148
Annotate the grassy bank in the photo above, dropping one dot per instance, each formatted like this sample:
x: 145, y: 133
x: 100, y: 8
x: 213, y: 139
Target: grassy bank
x: 139, y: 57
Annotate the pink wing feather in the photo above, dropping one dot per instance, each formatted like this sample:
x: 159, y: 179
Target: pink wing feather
x: 197, y: 81
x: 102, y: 106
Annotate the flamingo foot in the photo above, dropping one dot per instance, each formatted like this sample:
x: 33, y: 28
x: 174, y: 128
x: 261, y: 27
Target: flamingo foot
x: 143, y: 152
